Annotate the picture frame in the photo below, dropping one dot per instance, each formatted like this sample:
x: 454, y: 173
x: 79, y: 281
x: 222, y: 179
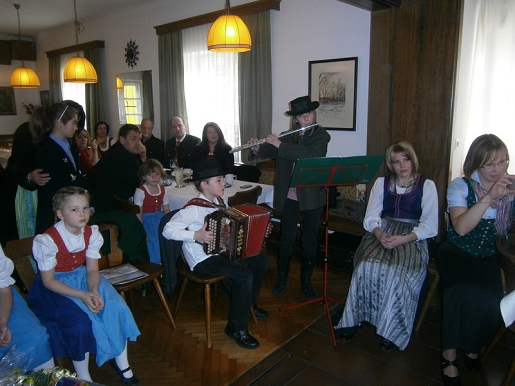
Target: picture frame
x: 7, y: 102
x: 332, y: 82
x: 44, y: 97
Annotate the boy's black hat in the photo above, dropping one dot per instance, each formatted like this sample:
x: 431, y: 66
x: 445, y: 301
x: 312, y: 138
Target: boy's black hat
x: 207, y: 168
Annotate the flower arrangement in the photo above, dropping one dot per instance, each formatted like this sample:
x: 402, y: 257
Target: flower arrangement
x: 29, y: 108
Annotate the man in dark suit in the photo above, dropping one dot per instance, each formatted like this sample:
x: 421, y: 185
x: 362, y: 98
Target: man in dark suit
x: 155, y: 147
x: 117, y: 171
x: 180, y: 147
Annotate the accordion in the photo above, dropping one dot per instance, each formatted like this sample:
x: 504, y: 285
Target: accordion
x: 239, y: 231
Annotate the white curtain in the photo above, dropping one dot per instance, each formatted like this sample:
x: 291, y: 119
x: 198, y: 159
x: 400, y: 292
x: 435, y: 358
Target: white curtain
x: 485, y: 92
x: 211, y: 86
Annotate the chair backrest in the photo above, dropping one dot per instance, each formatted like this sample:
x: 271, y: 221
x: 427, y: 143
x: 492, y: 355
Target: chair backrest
x: 126, y: 205
x: 245, y: 197
x: 506, y: 250
x: 112, y: 255
x: 20, y: 252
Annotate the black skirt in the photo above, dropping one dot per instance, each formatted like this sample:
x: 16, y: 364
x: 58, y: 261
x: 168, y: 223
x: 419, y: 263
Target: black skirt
x: 472, y: 291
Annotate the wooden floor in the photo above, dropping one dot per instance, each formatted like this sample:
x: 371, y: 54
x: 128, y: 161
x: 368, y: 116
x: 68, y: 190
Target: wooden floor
x: 164, y: 356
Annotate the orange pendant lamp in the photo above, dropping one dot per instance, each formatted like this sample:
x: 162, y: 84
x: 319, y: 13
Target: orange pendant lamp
x: 23, y: 77
x: 79, y: 69
x: 229, y: 33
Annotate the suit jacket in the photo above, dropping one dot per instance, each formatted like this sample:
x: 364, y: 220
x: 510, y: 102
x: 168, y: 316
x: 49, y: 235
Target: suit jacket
x: 170, y: 254
x: 23, y: 157
x: 308, y: 146
x: 115, y: 173
x: 53, y: 160
x: 184, y: 151
x: 155, y: 149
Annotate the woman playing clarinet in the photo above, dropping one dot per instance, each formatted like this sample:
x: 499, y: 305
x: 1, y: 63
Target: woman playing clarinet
x: 291, y: 202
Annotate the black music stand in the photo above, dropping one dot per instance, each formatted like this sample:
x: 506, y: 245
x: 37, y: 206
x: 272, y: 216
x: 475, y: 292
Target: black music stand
x: 323, y: 173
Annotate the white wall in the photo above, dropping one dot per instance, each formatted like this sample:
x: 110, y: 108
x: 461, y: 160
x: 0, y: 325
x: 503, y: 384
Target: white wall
x: 302, y: 30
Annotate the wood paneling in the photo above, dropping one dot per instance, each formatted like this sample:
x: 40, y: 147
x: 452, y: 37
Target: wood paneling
x: 414, y: 51
x: 240, y: 10
x: 75, y: 48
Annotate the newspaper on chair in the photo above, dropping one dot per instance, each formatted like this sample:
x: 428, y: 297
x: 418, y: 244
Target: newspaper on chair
x: 122, y: 274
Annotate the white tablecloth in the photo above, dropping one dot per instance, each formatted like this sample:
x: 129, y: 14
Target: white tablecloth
x: 180, y: 196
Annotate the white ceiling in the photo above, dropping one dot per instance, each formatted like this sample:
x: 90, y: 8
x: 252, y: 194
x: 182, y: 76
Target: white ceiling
x: 38, y: 15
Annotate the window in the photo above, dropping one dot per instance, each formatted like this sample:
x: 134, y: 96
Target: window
x: 484, y: 91
x: 132, y: 103
x: 72, y: 91
x: 211, y: 86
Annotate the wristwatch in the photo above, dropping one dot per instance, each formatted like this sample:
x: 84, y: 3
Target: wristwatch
x: 28, y: 180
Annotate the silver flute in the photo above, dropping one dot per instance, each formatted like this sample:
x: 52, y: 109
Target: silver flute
x: 243, y: 147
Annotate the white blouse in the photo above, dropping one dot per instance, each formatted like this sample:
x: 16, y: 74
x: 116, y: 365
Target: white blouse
x: 6, y: 270
x: 45, y: 250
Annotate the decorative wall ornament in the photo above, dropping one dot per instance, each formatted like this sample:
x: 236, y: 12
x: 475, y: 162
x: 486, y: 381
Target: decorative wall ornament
x: 131, y: 53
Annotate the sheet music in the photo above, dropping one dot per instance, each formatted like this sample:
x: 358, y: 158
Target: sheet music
x: 122, y: 274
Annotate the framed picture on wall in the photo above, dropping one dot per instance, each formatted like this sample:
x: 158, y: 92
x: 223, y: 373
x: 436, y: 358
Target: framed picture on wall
x: 7, y: 103
x: 44, y: 97
x: 332, y: 83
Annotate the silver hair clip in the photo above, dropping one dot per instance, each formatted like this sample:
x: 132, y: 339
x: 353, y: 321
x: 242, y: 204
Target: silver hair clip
x: 66, y: 108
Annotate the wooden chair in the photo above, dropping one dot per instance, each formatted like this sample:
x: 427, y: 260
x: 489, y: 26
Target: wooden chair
x: 20, y: 252
x: 435, y: 281
x: 188, y: 275
x: 245, y: 196
x: 507, y: 261
x: 126, y: 205
x: 113, y: 257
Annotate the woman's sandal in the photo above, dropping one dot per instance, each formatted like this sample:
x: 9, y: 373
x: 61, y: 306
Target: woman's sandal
x: 132, y: 381
x: 450, y: 381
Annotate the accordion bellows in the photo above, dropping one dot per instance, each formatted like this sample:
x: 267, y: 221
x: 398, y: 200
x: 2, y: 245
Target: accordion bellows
x: 240, y: 231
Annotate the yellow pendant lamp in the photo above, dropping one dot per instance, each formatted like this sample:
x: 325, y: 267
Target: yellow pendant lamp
x: 79, y: 69
x: 229, y: 33
x: 119, y: 83
x: 23, y: 77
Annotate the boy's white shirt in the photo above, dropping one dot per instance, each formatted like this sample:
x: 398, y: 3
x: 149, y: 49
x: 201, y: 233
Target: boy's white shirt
x: 182, y: 227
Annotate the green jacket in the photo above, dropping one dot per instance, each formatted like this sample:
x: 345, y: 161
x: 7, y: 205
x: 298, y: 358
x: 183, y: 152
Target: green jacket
x: 309, y: 146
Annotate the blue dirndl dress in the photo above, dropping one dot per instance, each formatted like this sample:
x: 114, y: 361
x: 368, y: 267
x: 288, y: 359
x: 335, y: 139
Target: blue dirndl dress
x: 73, y: 328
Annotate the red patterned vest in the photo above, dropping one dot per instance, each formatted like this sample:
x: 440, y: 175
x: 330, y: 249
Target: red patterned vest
x: 66, y: 260
x: 152, y: 204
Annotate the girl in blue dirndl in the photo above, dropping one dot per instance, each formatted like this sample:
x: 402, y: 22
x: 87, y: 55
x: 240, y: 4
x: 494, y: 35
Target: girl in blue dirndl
x: 82, y: 311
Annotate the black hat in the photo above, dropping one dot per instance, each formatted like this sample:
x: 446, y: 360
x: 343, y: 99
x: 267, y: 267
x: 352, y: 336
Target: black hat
x: 207, y: 168
x: 302, y: 105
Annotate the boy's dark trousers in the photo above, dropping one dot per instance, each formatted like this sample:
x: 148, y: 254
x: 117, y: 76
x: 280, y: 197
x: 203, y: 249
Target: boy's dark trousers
x: 247, y: 276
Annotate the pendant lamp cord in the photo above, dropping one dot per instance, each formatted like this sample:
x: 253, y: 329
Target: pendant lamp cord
x: 227, y: 6
x: 78, y: 27
x: 17, y: 6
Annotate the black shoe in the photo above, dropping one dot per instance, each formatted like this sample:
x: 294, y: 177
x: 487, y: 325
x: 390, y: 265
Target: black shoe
x: 308, y: 291
x: 450, y: 381
x: 386, y: 345
x: 348, y: 335
x: 473, y: 364
x: 280, y: 286
x: 132, y: 381
x: 260, y: 313
x: 242, y: 338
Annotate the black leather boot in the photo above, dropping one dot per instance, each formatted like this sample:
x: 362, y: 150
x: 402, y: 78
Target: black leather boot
x: 283, y: 266
x: 305, y: 277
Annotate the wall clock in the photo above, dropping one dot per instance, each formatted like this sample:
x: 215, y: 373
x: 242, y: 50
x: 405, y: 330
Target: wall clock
x: 131, y: 53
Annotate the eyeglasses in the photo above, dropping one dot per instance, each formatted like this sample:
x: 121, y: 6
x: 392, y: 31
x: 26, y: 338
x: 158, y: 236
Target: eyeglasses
x: 66, y: 108
x: 492, y: 166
